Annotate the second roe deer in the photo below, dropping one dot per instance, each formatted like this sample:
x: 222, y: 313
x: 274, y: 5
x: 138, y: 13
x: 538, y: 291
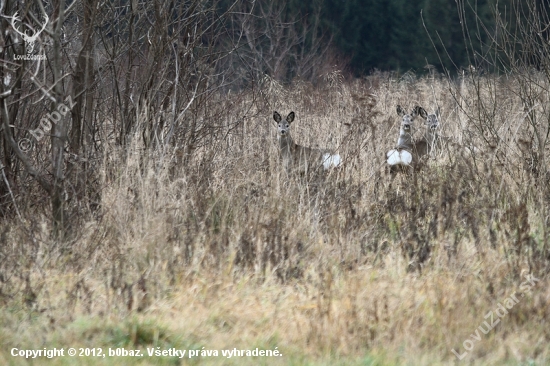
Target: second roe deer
x: 409, y: 151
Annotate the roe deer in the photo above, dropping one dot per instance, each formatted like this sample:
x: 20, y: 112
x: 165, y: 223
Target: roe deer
x: 432, y: 134
x: 409, y: 151
x: 301, y: 158
x: 437, y: 143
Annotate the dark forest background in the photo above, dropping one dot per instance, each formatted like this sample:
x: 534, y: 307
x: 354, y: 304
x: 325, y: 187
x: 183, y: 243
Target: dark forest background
x: 393, y: 35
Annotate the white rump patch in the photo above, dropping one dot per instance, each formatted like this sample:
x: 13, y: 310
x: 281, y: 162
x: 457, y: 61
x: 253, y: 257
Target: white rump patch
x: 399, y: 157
x: 330, y: 160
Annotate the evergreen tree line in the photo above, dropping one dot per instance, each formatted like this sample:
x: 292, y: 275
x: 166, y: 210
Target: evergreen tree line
x: 406, y: 35
x: 398, y: 35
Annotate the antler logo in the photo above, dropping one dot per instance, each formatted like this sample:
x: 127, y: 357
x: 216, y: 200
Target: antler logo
x: 29, y: 40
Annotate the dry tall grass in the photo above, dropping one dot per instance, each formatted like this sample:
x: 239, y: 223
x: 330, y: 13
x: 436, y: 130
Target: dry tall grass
x: 347, y: 268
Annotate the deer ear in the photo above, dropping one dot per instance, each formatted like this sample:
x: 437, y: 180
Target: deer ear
x: 420, y: 111
x: 277, y: 117
x: 400, y: 111
x: 290, y: 117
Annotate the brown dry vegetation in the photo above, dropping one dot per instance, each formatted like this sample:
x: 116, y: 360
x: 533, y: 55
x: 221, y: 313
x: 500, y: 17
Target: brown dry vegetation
x: 347, y: 268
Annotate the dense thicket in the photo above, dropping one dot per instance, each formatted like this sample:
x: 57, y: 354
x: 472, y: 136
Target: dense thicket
x: 155, y: 69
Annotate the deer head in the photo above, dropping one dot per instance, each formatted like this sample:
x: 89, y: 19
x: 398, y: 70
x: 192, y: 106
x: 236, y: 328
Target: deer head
x: 29, y: 40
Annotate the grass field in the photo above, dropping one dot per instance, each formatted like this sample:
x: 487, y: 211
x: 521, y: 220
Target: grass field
x: 218, y: 248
